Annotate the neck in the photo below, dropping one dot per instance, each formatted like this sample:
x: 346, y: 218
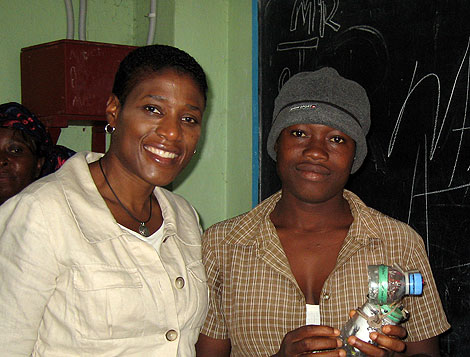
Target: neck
x: 291, y: 212
x: 132, y: 191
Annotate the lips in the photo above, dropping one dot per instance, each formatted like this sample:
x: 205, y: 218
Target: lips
x: 313, y: 172
x: 6, y: 178
x: 4, y: 175
x: 161, y: 155
x: 313, y: 168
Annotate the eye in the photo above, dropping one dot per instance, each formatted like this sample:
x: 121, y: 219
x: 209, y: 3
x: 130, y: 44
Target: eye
x: 152, y: 109
x: 337, y: 139
x: 16, y: 150
x: 298, y: 133
x: 190, y: 120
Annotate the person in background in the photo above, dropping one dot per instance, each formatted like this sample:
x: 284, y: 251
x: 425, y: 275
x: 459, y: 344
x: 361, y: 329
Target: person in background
x: 284, y: 276
x: 98, y: 259
x: 26, y: 150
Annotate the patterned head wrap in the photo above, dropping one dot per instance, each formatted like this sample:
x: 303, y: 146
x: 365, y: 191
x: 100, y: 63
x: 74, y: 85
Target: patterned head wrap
x: 16, y: 116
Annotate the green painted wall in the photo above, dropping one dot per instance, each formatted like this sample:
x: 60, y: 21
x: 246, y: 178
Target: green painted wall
x: 216, y: 32
x: 195, y: 24
x: 239, y: 117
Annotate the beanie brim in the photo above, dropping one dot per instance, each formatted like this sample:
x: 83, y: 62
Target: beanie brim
x: 324, y: 114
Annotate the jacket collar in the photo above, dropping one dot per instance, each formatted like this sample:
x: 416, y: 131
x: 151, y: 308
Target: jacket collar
x: 90, y: 210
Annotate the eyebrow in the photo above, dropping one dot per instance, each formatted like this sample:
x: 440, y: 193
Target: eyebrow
x: 159, y: 97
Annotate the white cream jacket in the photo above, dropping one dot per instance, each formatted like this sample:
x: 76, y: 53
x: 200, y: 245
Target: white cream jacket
x: 73, y: 283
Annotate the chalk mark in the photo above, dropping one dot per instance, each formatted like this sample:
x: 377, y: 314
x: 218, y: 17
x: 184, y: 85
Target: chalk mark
x: 298, y: 45
x: 457, y: 266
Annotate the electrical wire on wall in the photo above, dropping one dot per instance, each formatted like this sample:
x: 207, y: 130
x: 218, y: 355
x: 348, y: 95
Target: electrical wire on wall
x: 152, y: 15
x: 152, y: 19
x: 70, y: 20
x: 82, y: 21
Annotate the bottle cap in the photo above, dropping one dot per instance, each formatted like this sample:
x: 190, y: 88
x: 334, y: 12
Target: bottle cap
x: 415, y: 281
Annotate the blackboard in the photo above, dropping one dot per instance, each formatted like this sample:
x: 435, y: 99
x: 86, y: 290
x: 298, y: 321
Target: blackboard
x: 412, y: 56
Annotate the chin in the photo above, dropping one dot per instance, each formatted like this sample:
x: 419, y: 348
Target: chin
x: 159, y: 180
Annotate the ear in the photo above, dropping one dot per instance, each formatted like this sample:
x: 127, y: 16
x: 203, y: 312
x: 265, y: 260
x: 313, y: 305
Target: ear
x: 112, y: 110
x: 39, y: 165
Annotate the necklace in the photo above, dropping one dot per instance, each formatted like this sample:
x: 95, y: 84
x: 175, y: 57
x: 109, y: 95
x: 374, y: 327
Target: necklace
x: 143, y: 230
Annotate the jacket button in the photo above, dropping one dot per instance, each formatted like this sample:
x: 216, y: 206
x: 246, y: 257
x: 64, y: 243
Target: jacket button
x: 326, y: 296
x: 171, y: 335
x: 179, y: 282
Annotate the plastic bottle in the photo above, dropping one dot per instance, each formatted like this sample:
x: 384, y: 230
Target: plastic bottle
x: 369, y: 318
x: 389, y: 284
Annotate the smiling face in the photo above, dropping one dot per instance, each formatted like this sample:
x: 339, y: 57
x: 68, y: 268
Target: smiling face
x: 158, y: 127
x: 314, y: 161
x: 18, y: 165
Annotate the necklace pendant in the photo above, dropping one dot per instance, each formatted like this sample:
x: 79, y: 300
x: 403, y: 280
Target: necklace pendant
x: 143, y: 230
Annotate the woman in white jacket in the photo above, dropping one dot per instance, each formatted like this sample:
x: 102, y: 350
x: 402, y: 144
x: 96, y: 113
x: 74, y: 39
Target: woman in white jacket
x: 98, y: 259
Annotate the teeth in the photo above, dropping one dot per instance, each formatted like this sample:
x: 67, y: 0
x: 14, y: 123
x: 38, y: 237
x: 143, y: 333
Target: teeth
x: 161, y: 153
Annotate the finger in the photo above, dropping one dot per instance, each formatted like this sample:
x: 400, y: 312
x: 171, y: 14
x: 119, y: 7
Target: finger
x: 395, y: 331
x: 388, y: 342
x: 352, y: 313
x: 294, y: 341
x: 367, y: 348
x: 331, y: 353
x: 314, y: 331
x: 318, y: 344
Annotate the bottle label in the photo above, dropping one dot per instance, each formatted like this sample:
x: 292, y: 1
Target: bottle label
x: 383, y: 285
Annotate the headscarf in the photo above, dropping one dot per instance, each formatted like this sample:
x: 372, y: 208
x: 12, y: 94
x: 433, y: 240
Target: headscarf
x: 16, y: 116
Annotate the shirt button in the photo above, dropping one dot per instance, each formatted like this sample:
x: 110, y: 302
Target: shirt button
x: 326, y: 296
x: 171, y: 335
x: 179, y: 282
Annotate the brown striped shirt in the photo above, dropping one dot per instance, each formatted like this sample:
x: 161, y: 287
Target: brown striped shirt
x: 255, y: 300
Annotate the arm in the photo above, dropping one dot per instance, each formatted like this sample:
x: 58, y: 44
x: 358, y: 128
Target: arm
x: 429, y: 347
x: 207, y: 346
x: 215, y: 321
x: 27, y: 275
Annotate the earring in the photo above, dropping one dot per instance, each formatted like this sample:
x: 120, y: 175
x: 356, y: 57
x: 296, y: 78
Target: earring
x: 109, y: 129
x: 194, y: 151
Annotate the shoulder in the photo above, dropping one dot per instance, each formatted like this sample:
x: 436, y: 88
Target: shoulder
x: 173, y: 199
x: 378, y: 224
x: 51, y: 190
x: 174, y: 204
x: 34, y: 196
x: 245, y: 228
x: 179, y: 216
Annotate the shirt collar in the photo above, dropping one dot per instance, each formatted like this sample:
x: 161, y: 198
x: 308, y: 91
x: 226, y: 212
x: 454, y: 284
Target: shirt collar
x: 257, y: 222
x: 364, y: 227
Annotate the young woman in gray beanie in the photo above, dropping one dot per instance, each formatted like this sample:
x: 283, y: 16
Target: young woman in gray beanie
x: 284, y: 276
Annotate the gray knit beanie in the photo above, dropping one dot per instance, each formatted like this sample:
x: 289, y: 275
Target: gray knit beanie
x: 323, y: 97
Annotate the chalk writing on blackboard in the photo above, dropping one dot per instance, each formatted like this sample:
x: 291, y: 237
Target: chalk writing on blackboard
x: 436, y: 135
x: 306, y: 11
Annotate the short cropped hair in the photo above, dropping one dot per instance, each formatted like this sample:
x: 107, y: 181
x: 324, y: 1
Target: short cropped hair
x: 146, y: 60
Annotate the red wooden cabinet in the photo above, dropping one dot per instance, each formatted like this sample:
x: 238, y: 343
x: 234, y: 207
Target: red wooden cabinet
x: 69, y: 80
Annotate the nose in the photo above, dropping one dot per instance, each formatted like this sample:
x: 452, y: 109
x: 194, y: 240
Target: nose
x: 169, y: 128
x: 4, y: 160
x: 316, y: 149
